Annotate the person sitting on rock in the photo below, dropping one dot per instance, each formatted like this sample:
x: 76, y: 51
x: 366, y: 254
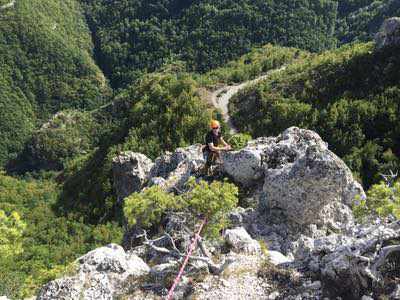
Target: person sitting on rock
x: 212, y: 149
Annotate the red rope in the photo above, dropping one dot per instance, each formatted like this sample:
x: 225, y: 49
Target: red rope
x: 191, y: 248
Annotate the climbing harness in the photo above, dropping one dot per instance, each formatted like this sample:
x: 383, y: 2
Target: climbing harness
x: 190, y: 250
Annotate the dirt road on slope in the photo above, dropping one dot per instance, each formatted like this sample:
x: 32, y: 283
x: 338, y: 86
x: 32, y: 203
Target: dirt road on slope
x: 220, y: 98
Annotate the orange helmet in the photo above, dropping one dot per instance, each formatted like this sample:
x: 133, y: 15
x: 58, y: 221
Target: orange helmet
x: 214, y: 124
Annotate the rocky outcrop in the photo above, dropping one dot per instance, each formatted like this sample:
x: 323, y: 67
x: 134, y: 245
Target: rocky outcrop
x: 352, y: 261
x: 300, y: 177
x: 131, y: 173
x: 302, y: 219
x: 297, y: 174
x: 103, y: 273
x: 134, y: 171
x: 389, y: 34
x: 241, y: 242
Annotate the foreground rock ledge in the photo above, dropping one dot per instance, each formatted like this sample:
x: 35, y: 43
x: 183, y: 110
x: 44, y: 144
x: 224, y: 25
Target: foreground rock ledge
x: 297, y: 173
x: 103, y: 273
x: 302, y: 190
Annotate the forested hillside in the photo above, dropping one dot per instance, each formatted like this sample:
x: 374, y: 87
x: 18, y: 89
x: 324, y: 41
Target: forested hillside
x: 57, y: 69
x: 45, y: 65
x: 83, y: 80
x: 361, y: 19
x: 349, y: 96
x: 133, y: 36
x: 165, y: 113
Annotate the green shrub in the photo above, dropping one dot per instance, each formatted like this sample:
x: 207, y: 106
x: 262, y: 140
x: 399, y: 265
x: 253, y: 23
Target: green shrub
x: 239, y: 140
x: 212, y: 201
x: 381, y: 201
x: 48, y: 242
x: 146, y: 208
x: 11, y: 232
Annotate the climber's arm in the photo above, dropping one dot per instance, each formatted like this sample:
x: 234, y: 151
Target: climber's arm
x: 226, y: 145
x: 214, y: 148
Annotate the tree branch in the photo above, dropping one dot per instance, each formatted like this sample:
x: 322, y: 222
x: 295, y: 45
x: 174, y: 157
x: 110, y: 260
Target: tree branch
x: 213, y: 268
x: 382, y: 257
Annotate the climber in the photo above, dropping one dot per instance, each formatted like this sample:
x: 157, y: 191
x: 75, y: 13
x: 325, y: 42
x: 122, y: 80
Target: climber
x: 212, y: 149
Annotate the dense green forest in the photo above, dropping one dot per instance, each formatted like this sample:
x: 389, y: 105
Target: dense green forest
x: 361, y: 19
x: 46, y: 242
x: 349, y: 96
x: 62, y: 122
x: 133, y: 36
x: 50, y: 49
x: 45, y: 65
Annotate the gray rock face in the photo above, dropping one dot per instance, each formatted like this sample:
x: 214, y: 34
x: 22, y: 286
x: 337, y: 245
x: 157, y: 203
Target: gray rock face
x: 300, y: 176
x: 315, y: 189
x: 245, y: 166
x: 130, y: 171
x: 297, y: 172
x: 167, y: 163
x: 103, y: 273
x: 133, y: 172
x: 348, y: 260
x: 241, y: 241
x: 396, y: 293
x: 389, y: 34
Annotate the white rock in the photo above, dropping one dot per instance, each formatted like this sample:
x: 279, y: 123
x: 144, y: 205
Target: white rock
x: 309, y: 183
x: 131, y: 172
x: 244, y: 166
x: 273, y: 295
x: 103, y: 273
x: 277, y: 258
x: 396, y: 293
x: 241, y: 241
x: 316, y: 285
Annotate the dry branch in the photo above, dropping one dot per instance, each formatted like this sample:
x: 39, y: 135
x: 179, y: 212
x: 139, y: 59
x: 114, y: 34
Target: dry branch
x: 213, y: 268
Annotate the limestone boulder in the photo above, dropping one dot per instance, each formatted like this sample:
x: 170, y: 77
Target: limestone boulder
x: 103, y: 273
x: 169, y: 162
x: 246, y: 166
x: 130, y: 172
x: 299, y: 175
x: 241, y: 241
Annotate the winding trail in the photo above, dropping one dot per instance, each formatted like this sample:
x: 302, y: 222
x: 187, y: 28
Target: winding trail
x: 220, y: 97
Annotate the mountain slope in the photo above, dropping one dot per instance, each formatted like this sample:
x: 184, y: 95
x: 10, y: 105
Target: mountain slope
x: 45, y: 66
x: 361, y: 20
x: 349, y: 96
x: 136, y: 36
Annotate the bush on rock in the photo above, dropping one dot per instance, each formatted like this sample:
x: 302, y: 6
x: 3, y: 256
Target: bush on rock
x: 212, y: 201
